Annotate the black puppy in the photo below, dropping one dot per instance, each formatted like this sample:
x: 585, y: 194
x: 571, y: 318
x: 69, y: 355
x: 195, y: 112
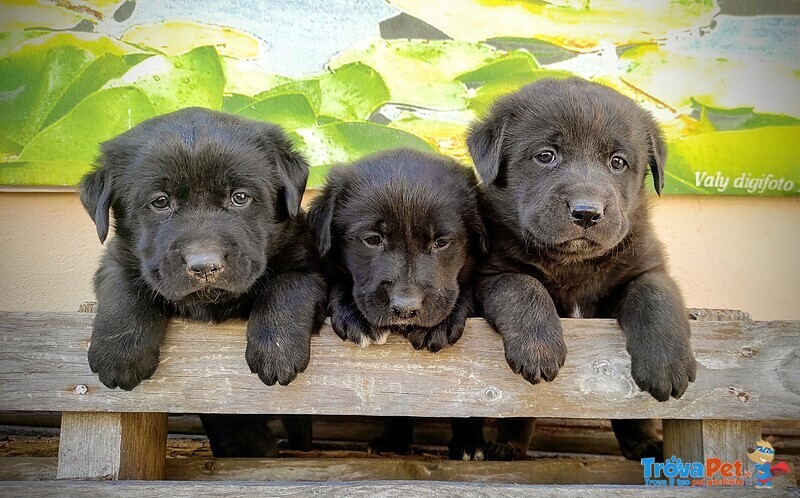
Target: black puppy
x: 564, y: 163
x: 208, y: 226
x: 401, y: 231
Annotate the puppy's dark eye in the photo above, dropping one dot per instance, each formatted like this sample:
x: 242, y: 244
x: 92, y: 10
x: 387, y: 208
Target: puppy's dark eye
x: 618, y: 163
x: 160, y: 203
x: 441, y: 243
x: 546, y: 157
x: 372, y: 241
x: 240, y: 199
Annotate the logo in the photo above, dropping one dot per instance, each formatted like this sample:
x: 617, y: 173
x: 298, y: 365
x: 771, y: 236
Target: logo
x: 676, y: 472
x: 716, y: 472
x: 765, y: 468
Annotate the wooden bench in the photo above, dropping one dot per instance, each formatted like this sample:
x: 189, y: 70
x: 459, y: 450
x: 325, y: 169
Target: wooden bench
x: 748, y: 372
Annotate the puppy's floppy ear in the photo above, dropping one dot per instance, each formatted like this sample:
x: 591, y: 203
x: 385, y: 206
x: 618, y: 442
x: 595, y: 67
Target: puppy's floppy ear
x: 320, y: 213
x: 96, y: 191
x: 292, y: 166
x: 657, y: 158
x: 485, y: 142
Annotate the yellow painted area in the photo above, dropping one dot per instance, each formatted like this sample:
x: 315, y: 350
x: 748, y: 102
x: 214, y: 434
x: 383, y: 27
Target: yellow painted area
x: 447, y: 137
x: 97, y: 44
x: 569, y: 24
x: 178, y: 37
x: 675, y: 78
x: 17, y: 15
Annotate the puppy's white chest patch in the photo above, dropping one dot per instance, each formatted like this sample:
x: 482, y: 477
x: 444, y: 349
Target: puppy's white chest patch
x: 576, y: 311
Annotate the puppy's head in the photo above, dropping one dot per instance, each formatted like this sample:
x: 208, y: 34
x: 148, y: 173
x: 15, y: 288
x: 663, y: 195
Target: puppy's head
x: 565, y: 161
x: 198, y: 199
x: 403, y: 224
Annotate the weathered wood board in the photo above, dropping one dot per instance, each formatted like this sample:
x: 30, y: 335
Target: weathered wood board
x: 746, y: 370
x: 539, y: 471
x: 697, y: 440
x: 112, y: 446
x: 377, y: 489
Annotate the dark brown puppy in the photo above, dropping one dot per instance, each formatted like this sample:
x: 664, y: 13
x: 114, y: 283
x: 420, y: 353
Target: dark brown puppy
x: 564, y: 163
x: 208, y: 226
x: 401, y: 231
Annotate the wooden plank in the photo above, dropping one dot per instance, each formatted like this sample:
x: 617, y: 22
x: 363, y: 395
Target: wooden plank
x: 745, y: 371
x: 326, y: 469
x: 379, y: 489
x: 27, y: 469
x: 112, y: 446
x: 540, y: 471
x: 698, y: 440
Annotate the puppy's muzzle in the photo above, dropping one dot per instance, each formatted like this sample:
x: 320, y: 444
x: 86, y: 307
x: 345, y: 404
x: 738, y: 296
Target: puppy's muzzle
x: 586, y: 214
x: 205, y: 264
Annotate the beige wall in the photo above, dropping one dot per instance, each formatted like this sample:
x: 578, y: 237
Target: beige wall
x: 738, y: 253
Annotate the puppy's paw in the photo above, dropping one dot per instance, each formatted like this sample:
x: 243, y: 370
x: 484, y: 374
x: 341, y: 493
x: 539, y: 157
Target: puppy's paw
x: 352, y: 327
x: 442, y: 335
x: 119, y: 365
x: 646, y: 448
x: 536, y: 355
x: 466, y: 450
x: 383, y: 444
x: 663, y: 373
x: 277, y: 359
x: 503, y: 452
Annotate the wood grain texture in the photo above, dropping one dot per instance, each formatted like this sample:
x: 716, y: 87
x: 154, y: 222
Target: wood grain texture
x: 324, y: 469
x: 112, y: 446
x: 379, y: 489
x: 89, y: 446
x: 745, y: 371
x: 696, y: 440
x: 144, y: 446
x: 540, y: 471
x: 27, y: 469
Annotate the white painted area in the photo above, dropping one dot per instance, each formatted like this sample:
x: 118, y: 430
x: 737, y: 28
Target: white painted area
x: 301, y: 36
x: 740, y: 253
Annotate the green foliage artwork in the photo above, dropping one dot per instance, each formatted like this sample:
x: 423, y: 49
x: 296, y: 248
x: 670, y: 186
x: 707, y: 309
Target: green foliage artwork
x: 346, y: 79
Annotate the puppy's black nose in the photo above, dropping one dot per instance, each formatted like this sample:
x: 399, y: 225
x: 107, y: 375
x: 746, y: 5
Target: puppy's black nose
x: 205, y: 264
x: 404, y: 306
x: 586, y: 215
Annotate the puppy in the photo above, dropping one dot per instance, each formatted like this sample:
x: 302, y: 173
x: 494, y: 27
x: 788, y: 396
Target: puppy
x: 209, y: 227
x: 401, y: 231
x: 564, y: 164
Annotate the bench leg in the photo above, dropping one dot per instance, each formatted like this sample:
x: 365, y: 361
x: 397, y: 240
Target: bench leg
x: 112, y: 445
x: 696, y: 440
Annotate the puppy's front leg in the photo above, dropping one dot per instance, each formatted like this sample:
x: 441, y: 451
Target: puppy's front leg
x: 520, y: 309
x: 289, y: 308
x: 128, y: 328
x: 656, y: 326
x: 348, y: 322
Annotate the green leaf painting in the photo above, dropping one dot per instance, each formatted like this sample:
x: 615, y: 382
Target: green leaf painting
x: 99, y: 117
x: 723, y: 85
x: 334, y: 143
x: 171, y: 83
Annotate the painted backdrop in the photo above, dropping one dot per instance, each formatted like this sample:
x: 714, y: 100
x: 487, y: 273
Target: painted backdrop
x: 348, y: 78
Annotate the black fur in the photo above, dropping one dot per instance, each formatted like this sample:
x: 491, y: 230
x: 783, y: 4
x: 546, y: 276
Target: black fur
x: 405, y: 201
x: 208, y: 226
x: 571, y: 234
x: 378, y: 222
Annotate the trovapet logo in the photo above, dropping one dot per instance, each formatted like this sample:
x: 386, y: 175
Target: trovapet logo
x: 715, y: 471
x: 676, y: 472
